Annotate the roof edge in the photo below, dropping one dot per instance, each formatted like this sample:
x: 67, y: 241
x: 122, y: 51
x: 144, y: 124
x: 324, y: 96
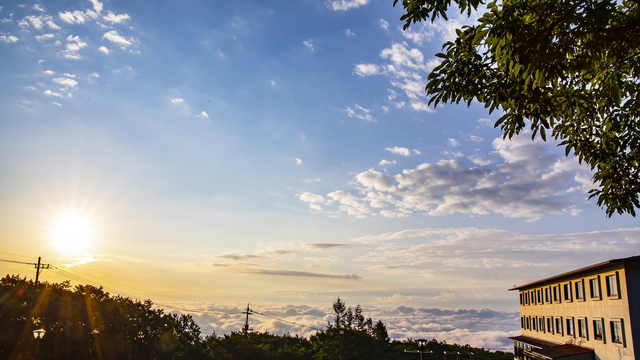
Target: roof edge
x: 572, y: 272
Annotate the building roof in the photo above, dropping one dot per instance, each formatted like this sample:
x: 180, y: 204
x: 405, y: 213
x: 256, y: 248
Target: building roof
x: 552, y: 350
x: 573, y: 272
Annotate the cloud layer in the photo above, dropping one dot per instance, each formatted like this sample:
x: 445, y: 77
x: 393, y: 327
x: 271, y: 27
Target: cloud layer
x: 520, y: 178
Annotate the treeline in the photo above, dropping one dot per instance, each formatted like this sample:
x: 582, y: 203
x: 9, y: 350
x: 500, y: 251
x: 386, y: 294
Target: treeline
x: 85, y: 322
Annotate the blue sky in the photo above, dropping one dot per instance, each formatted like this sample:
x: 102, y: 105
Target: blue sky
x: 279, y: 153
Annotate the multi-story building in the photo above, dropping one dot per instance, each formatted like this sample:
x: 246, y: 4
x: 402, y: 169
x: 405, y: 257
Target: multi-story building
x: 588, y: 313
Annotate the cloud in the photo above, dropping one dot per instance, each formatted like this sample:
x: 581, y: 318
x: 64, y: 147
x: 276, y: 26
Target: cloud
x: 384, y: 24
x: 344, y: 5
x: 203, y: 115
x: 359, y: 112
x: 116, y: 19
x: 48, y: 72
x: 104, y: 50
x: 486, y: 122
x: 406, y: 69
x: 527, y: 180
x: 177, y: 101
x: 309, y: 44
x: 38, y: 7
x: 350, y: 33
x: 295, y: 273
x: 475, y: 138
x: 73, y: 47
x: 117, y: 39
x: 239, y: 257
x: 453, y: 142
x: 399, y: 150
x: 66, y: 82
x: 8, y: 38
x: 367, y: 69
x: 52, y: 93
x: 323, y: 246
x: 75, y: 17
x: 384, y: 162
x: 44, y: 37
x: 298, y: 161
x: 97, y: 6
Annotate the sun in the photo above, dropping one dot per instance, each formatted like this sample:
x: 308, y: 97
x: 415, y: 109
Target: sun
x: 72, y: 234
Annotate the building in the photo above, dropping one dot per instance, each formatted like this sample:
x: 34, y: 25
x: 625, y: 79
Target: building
x: 588, y: 313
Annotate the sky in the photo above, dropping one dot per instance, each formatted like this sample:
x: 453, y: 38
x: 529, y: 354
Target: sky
x: 210, y: 154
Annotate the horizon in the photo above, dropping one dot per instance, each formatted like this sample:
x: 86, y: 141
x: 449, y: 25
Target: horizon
x: 279, y: 154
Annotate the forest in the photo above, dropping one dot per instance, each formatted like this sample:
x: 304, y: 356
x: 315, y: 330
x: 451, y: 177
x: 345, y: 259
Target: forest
x: 85, y: 322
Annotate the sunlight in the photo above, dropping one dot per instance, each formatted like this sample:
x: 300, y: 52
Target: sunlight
x: 72, y: 234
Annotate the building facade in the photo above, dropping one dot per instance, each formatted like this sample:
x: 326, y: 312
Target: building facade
x: 588, y: 313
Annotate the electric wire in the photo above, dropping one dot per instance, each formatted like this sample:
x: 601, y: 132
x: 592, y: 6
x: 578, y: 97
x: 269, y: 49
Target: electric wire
x: 17, y: 262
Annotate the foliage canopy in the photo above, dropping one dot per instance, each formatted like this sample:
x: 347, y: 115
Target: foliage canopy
x: 568, y: 67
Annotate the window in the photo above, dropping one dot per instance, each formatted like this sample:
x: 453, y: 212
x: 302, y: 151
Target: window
x: 567, y: 292
x: 522, y: 322
x: 528, y: 324
x: 541, y: 323
x: 582, y: 328
x: 612, y: 285
x: 598, y: 331
x: 579, y: 290
x: 526, y: 298
x: 569, y: 327
x: 550, y: 324
x: 521, y: 296
x: 559, y: 325
x: 535, y: 323
x: 533, y: 297
x: 556, y: 293
x: 540, y: 296
x: 616, y: 331
x: 594, y: 288
x: 547, y: 295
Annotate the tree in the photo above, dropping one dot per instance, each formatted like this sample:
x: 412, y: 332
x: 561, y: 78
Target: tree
x: 566, y: 66
x: 339, y: 309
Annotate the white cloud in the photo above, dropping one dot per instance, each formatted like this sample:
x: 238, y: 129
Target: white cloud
x: 399, y: 150
x: 368, y: 69
x: 384, y: 162
x: 177, y: 101
x: 346, y: 4
x: 424, y: 33
x: 48, y: 72
x: 384, y: 24
x: 528, y: 180
x: 66, y: 82
x: 420, y: 106
x: 486, y: 122
x: 44, y: 37
x: 8, y: 38
x: 97, y: 6
x: 38, y: 7
x: 453, y: 142
x: 298, y: 161
x: 359, y: 112
x: 117, y: 39
x: 52, y: 93
x: 309, y: 44
x: 75, y: 17
x: 103, y: 49
x: 53, y: 25
x: 57, y: 104
x: 273, y: 83
x: 203, y: 115
x: 73, y: 47
x: 116, y: 19
x: 350, y: 33
x: 475, y: 138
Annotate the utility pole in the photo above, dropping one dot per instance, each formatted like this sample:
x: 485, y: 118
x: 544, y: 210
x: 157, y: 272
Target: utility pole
x: 39, y: 268
x: 246, y: 322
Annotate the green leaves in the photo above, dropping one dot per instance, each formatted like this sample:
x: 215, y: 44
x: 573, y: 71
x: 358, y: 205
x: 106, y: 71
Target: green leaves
x: 569, y: 67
